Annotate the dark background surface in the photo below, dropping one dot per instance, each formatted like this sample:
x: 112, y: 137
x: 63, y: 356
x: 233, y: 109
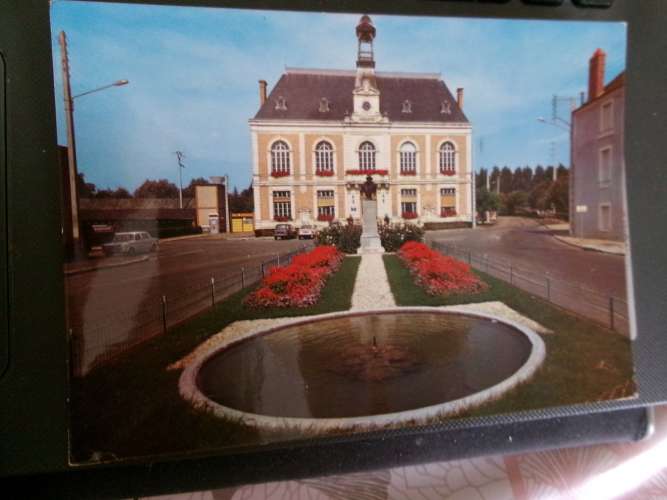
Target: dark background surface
x: 33, y: 389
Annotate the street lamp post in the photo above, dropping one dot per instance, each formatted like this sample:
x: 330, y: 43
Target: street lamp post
x: 71, y: 141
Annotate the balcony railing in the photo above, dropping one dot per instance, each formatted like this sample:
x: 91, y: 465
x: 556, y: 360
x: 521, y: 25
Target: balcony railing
x: 366, y: 171
x: 279, y: 173
x: 324, y: 173
x: 447, y: 212
x: 409, y: 215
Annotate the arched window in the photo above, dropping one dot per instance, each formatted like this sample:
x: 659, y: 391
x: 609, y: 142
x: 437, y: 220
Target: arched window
x: 408, y: 158
x: 367, y: 156
x: 323, y: 157
x: 447, y: 159
x: 280, y: 158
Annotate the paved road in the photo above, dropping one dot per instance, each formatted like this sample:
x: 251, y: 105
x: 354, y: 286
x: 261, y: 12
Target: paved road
x: 526, y: 244
x: 110, y: 304
x: 523, y: 252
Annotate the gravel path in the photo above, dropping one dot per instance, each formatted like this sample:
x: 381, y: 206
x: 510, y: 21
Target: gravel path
x: 371, y: 289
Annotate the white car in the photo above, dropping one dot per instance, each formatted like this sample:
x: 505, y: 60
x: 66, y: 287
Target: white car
x: 306, y: 231
x: 130, y: 243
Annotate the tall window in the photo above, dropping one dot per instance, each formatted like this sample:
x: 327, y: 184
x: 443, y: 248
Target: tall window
x: 323, y: 157
x: 447, y: 202
x: 604, y: 217
x: 325, y: 205
x: 408, y: 158
x: 447, y: 159
x: 367, y: 156
x: 280, y: 158
x: 282, y: 205
x: 408, y: 203
x: 604, y: 172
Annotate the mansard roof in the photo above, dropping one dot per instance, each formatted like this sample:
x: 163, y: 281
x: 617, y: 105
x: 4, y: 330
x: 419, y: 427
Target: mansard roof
x: 302, y: 90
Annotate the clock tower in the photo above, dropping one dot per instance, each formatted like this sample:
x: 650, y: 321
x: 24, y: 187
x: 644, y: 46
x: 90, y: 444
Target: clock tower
x: 366, y: 95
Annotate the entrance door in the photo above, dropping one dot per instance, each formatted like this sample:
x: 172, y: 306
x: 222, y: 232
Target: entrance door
x: 214, y: 223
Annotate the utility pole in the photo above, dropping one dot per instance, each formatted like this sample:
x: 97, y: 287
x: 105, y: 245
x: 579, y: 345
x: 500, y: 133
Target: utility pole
x: 180, y: 156
x: 71, y: 147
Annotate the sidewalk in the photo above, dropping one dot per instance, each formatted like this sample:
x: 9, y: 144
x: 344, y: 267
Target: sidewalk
x: 605, y: 246
x: 371, y: 288
x: 561, y: 233
x: 86, y: 266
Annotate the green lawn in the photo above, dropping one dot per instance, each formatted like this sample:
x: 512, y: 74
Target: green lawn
x: 131, y: 406
x: 585, y: 362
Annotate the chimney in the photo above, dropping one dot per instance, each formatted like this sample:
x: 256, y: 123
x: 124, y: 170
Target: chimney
x: 262, y: 92
x: 596, y: 75
x: 459, y: 98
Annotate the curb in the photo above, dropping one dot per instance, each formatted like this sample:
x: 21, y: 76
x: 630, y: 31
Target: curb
x: 589, y: 247
x: 71, y: 272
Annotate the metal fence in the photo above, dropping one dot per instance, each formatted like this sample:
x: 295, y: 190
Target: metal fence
x: 607, y: 310
x: 95, y: 343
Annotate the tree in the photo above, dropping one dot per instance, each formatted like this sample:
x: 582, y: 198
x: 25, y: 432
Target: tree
x: 189, y: 192
x: 527, y: 175
x: 487, y: 201
x: 510, y: 202
x: 161, y: 188
x: 241, y: 202
x: 85, y: 189
x: 538, y: 176
x: 495, y: 177
x: 517, y: 180
x: 505, y: 180
x: 482, y: 174
x: 119, y: 192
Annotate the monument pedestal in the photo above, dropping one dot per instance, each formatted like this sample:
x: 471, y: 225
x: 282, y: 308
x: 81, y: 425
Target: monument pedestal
x: 370, y: 239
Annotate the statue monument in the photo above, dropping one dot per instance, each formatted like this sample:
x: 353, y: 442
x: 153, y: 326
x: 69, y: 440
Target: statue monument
x: 370, y: 239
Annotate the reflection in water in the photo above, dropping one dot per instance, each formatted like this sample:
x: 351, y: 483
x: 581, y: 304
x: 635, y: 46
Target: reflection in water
x: 364, y: 365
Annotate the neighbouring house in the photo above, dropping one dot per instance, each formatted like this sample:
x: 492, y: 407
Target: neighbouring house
x: 320, y: 132
x: 597, y: 176
x: 212, y: 206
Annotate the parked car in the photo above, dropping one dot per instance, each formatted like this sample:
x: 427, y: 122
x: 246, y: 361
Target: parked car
x: 284, y: 231
x: 306, y: 232
x: 130, y: 243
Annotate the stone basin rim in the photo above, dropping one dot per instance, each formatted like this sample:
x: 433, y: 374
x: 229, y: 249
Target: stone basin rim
x: 190, y: 391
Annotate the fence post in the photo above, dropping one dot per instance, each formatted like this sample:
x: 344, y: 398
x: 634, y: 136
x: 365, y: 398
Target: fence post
x: 511, y: 275
x: 611, y: 312
x: 278, y: 257
x: 242, y: 277
x: 212, y: 291
x: 469, y: 258
x: 486, y: 258
x: 262, y: 268
x: 164, y: 314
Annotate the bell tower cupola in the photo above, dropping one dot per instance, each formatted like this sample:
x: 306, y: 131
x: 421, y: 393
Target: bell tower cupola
x: 366, y: 94
x: 365, y: 36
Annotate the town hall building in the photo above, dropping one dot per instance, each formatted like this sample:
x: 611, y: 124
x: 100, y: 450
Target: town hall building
x: 320, y: 132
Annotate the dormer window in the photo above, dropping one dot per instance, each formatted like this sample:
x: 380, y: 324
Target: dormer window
x: 446, y: 108
x: 281, y: 104
x: 324, y: 105
x: 407, y: 106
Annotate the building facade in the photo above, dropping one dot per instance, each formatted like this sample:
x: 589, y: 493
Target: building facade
x: 319, y: 133
x: 597, y: 177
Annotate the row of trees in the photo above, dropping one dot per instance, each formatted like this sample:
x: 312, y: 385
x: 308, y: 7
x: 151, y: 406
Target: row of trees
x: 524, y: 189
x: 162, y: 188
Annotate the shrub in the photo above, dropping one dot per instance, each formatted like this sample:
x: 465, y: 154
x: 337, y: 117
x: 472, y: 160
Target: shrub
x: 392, y: 236
x: 345, y: 238
x: 298, y: 284
x: 438, y: 274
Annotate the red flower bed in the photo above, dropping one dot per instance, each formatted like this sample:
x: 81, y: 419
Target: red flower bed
x: 298, y: 284
x: 438, y: 274
x: 324, y: 173
x: 409, y: 215
x: 279, y: 173
x: 369, y: 171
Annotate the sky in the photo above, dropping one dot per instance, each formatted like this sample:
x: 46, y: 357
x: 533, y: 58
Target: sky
x: 193, y: 76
